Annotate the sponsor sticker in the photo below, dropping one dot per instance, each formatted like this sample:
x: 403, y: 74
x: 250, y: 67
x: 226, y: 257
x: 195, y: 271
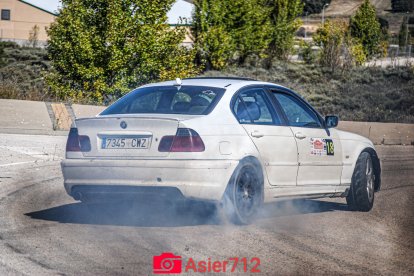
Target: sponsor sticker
x: 321, y: 147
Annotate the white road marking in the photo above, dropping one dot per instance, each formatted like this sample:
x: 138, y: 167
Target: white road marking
x: 17, y: 163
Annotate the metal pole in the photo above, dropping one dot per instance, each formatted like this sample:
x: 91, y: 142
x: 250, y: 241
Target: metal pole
x: 306, y: 20
x: 406, y: 36
x: 323, y: 13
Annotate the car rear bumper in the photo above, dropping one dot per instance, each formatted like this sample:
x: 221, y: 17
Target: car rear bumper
x: 198, y: 179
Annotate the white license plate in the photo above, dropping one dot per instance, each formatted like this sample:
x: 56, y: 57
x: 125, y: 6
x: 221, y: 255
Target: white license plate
x: 125, y: 142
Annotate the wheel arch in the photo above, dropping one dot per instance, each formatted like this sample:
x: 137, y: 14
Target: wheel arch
x: 377, y: 167
x: 228, y: 202
x: 257, y: 164
x: 248, y: 159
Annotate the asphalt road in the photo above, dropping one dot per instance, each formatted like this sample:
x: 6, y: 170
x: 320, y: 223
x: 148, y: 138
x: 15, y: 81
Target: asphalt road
x: 43, y: 231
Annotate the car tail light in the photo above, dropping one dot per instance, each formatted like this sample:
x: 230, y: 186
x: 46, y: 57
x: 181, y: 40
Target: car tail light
x: 185, y: 140
x: 77, y: 142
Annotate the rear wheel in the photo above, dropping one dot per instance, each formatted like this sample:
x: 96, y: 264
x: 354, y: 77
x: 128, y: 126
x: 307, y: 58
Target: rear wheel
x: 244, y: 195
x: 361, y: 193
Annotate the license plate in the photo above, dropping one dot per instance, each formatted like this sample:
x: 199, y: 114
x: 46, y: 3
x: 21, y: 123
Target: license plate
x: 125, y: 142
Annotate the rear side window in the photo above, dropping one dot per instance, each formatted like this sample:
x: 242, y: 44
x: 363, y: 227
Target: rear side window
x: 252, y: 107
x: 191, y: 100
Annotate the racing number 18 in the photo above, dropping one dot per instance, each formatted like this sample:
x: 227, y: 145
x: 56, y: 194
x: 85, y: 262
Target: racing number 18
x: 330, y: 147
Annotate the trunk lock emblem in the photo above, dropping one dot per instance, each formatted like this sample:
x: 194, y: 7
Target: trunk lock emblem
x: 123, y: 125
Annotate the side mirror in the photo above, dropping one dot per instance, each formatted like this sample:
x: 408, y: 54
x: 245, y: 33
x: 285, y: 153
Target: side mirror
x: 331, y: 121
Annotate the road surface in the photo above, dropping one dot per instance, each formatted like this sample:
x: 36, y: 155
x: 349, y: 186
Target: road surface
x: 43, y: 231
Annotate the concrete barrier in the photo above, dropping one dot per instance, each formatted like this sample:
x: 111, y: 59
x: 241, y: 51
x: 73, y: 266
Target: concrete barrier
x: 382, y: 133
x: 63, y: 120
x: 29, y: 115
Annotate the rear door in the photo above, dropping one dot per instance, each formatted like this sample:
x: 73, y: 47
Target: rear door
x: 319, y: 149
x: 274, y: 141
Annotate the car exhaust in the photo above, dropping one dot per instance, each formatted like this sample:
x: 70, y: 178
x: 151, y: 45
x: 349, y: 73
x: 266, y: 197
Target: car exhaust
x: 77, y: 195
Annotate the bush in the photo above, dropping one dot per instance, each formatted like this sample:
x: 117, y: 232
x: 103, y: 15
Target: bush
x: 21, y: 75
x: 331, y: 38
x: 307, y: 53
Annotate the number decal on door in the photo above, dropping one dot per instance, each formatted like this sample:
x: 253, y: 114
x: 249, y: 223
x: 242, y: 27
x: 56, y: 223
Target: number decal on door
x: 330, y: 149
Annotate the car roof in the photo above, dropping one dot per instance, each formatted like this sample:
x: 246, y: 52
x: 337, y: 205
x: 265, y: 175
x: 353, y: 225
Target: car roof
x: 220, y: 82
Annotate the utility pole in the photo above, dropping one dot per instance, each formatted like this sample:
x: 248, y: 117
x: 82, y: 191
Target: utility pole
x: 323, y: 12
x: 406, y: 35
x: 306, y: 22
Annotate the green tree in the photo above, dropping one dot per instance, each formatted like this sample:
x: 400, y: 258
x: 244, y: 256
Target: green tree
x: 212, y: 40
x: 229, y: 30
x: 285, y: 21
x: 103, y: 48
x: 365, y: 27
x: 339, y: 49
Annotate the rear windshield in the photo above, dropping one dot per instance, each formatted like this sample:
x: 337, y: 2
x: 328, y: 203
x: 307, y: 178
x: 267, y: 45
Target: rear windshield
x: 192, y: 100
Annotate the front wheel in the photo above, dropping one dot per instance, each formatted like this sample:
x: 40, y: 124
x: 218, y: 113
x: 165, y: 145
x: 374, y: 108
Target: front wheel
x: 244, y: 194
x: 361, y: 193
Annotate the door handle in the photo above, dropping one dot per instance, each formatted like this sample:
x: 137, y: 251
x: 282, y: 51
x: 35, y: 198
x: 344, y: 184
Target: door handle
x: 257, y: 134
x: 300, y: 135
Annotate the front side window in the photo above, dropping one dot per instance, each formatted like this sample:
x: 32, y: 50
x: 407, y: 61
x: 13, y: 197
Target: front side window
x: 297, y: 113
x: 5, y: 14
x: 191, y: 100
x: 251, y: 107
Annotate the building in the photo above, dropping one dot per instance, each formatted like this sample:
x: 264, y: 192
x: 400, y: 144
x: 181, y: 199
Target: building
x: 19, y: 18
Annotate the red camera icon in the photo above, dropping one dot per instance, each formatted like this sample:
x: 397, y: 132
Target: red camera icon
x: 166, y: 263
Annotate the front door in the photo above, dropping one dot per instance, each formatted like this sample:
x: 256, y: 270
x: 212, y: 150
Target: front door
x: 319, y: 149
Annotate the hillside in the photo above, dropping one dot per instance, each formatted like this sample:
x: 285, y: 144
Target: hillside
x: 345, y: 8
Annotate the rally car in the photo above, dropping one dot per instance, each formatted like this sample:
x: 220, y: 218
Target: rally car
x: 238, y: 142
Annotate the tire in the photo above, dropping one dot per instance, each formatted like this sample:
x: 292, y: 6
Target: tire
x: 244, y: 194
x: 361, y: 193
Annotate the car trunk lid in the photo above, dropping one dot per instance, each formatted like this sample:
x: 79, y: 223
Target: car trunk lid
x: 127, y: 136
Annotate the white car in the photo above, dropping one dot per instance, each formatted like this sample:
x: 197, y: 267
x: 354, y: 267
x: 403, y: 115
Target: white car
x: 236, y: 141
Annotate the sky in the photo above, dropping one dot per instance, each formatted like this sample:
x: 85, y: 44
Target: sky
x: 180, y: 8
